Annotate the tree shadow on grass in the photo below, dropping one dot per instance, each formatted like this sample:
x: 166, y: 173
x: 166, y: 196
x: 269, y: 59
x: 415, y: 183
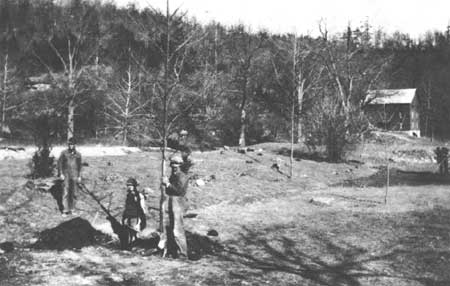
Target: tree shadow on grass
x: 398, y: 177
x: 328, y: 261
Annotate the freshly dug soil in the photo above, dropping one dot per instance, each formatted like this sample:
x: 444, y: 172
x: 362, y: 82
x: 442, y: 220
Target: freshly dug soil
x: 73, y: 234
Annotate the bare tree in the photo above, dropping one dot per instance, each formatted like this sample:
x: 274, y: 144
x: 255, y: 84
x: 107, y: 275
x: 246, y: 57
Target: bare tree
x: 296, y: 75
x: 5, y: 92
x: 74, y: 41
x: 172, y: 42
x: 244, y: 49
x: 352, y: 69
x: 125, y: 103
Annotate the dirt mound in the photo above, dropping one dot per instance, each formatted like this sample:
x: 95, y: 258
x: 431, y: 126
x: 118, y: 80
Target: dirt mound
x: 73, y: 234
x: 199, y: 246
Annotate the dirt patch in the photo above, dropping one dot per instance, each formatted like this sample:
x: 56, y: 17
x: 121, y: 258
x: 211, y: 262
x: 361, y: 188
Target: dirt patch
x: 398, y: 177
x: 77, y: 233
x: 73, y: 234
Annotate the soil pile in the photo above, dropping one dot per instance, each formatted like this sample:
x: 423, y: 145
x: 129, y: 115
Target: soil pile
x: 73, y: 234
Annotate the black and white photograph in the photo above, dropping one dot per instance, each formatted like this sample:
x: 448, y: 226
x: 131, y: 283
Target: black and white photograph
x: 213, y: 142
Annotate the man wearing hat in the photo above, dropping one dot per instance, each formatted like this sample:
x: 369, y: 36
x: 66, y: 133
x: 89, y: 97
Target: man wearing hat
x: 69, y: 170
x: 174, y: 243
x: 135, y: 209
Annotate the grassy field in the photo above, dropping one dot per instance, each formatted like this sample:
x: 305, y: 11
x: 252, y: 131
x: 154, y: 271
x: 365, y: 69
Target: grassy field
x: 328, y: 225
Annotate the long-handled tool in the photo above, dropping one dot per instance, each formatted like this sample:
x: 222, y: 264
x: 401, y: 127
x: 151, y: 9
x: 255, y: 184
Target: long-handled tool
x: 125, y: 233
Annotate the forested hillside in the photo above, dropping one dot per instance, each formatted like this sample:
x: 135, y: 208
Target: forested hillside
x: 136, y: 76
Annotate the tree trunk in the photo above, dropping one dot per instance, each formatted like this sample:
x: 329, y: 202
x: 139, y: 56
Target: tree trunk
x: 242, y: 132
x: 125, y: 134
x: 300, y: 95
x: 216, y: 56
x: 291, y: 158
x: 4, y: 94
x: 293, y: 105
x: 72, y: 93
x: 164, y: 123
x: 243, y: 121
x: 70, y: 119
x: 127, y: 107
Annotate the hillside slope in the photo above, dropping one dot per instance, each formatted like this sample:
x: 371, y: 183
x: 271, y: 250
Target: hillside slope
x: 328, y: 225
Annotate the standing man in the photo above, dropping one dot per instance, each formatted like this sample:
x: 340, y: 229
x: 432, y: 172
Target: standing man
x: 183, y: 147
x: 173, y: 240
x: 69, y: 170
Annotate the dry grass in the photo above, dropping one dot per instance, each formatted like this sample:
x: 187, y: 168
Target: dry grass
x: 271, y: 232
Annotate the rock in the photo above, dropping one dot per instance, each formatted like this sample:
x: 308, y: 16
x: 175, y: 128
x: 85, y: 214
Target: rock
x: 7, y: 246
x: 212, y: 232
x: 29, y: 185
x: 241, y: 150
x: 321, y: 201
x: 250, y: 149
x: 200, y: 182
x: 190, y: 215
x: 275, y: 166
x: 32, y: 240
x: 116, y: 277
x: 226, y: 148
x: 249, y: 162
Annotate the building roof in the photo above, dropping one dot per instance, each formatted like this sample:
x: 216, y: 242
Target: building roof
x: 390, y: 96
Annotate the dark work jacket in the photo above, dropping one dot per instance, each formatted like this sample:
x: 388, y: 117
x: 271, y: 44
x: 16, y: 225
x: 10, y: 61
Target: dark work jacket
x: 178, y: 184
x: 185, y: 150
x: 69, y: 163
x: 133, y: 205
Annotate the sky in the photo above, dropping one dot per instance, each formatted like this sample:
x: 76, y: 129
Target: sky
x: 302, y: 17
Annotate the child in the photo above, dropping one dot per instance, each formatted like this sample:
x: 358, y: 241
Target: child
x: 135, y: 209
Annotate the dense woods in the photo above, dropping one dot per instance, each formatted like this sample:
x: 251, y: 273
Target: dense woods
x: 136, y: 76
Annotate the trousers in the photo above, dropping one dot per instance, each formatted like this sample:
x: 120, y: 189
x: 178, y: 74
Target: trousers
x: 68, y: 195
x: 174, y: 238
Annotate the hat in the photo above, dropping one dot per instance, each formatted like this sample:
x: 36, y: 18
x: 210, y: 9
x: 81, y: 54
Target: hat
x: 132, y: 182
x: 176, y: 160
x: 71, y: 141
x: 183, y: 132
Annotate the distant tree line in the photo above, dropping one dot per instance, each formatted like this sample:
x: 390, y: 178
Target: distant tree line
x: 98, y: 71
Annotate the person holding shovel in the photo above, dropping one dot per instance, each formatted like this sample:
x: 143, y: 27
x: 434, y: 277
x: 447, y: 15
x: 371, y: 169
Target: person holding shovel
x: 69, y: 171
x: 173, y: 241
